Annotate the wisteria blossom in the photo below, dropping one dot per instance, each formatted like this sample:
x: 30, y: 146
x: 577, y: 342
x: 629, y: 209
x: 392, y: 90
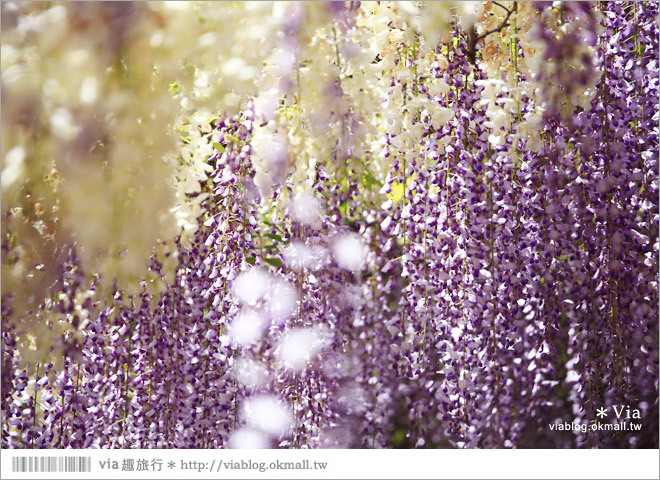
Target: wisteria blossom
x: 329, y: 224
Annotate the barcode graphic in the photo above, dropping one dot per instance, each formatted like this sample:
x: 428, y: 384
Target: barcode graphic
x: 51, y: 464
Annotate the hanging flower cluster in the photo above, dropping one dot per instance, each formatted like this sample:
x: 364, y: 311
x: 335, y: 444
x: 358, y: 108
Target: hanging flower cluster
x: 341, y: 224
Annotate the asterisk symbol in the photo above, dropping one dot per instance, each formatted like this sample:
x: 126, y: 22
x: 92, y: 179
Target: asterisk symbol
x: 601, y: 412
x: 171, y: 464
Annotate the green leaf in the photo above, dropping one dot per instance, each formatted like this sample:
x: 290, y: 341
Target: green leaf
x: 368, y: 178
x: 273, y: 225
x: 274, y: 262
x: 218, y: 147
x: 345, y: 208
x: 272, y: 236
x: 270, y: 247
x: 250, y: 260
x: 174, y: 88
x: 369, y: 181
x: 287, y: 112
x: 235, y: 140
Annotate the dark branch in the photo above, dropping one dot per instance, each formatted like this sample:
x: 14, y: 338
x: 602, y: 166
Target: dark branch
x: 503, y: 7
x: 474, y: 39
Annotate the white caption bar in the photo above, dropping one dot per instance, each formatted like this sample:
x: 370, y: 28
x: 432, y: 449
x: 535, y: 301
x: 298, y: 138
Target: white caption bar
x: 323, y: 464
